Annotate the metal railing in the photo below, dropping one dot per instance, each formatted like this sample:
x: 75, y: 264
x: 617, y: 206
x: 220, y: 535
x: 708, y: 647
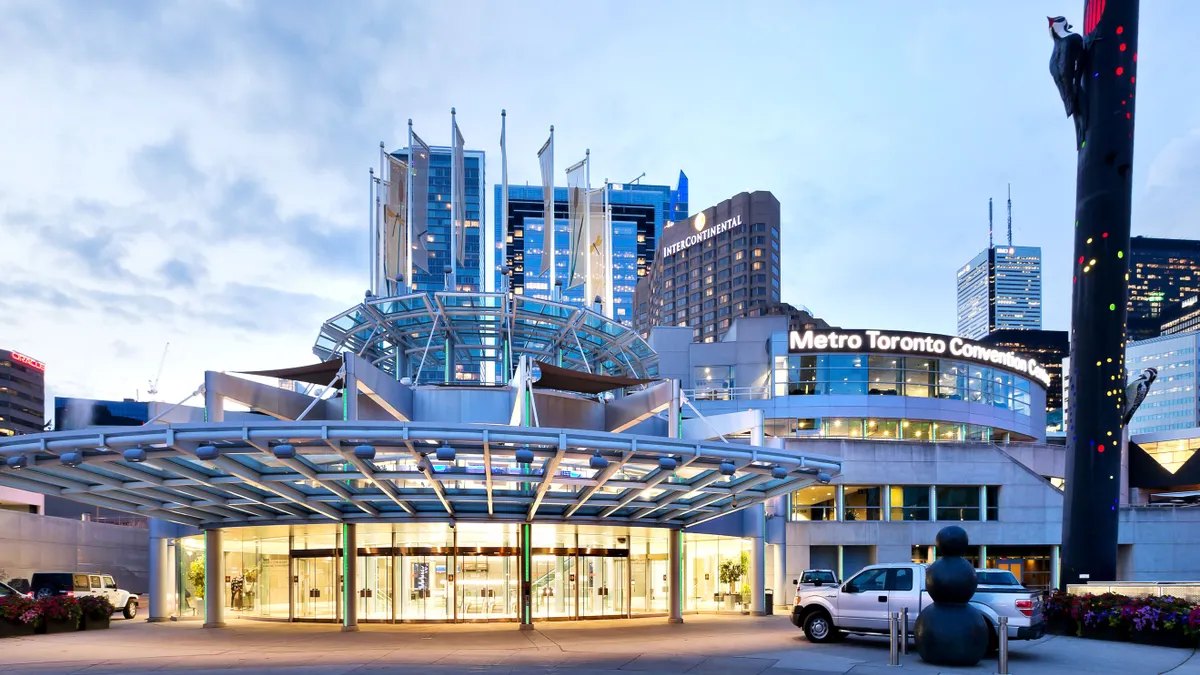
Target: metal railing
x: 728, y: 393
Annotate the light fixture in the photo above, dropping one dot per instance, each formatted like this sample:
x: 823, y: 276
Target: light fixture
x: 824, y: 478
x: 445, y: 453
x: 134, y: 454
x: 668, y: 463
x: 284, y: 451
x: 365, y: 452
x: 523, y: 456
x: 598, y: 461
x: 779, y: 472
x: 17, y: 462
x: 71, y: 458
x: 727, y: 467
x: 207, y: 452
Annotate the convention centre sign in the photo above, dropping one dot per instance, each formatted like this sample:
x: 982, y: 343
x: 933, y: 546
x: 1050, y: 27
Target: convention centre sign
x: 914, y: 344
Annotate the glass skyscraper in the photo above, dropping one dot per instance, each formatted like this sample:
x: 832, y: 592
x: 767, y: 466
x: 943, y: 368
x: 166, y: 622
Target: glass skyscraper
x: 1001, y: 288
x: 639, y: 213
x: 470, y: 274
x: 1162, y: 272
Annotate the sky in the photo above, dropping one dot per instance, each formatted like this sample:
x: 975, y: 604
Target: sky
x: 195, y: 173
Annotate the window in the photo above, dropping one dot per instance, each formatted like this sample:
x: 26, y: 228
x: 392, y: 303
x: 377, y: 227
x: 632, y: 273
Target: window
x: 739, y: 255
x: 868, y: 581
x: 815, y: 502
x: 958, y: 502
x: 713, y: 377
x: 862, y: 503
x: 883, y: 378
x: 910, y: 502
x: 109, y: 584
x: 993, y: 502
x: 94, y: 581
x: 900, y: 579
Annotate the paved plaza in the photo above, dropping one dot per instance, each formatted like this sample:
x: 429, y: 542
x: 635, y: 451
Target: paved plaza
x: 704, y: 645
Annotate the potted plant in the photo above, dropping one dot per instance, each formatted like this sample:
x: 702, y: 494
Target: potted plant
x: 19, y: 616
x: 60, y: 614
x: 1103, y: 617
x: 1058, y: 614
x: 1159, y: 621
x: 731, y: 571
x: 97, y: 612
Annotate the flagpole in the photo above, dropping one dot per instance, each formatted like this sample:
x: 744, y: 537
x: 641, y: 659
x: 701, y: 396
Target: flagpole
x: 371, y: 232
x: 549, y: 227
x: 454, y: 206
x: 408, y: 266
x: 503, y: 193
x: 588, y: 285
x: 381, y: 225
x: 609, y: 295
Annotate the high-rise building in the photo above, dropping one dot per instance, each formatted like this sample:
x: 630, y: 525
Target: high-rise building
x: 1182, y: 317
x: 471, y: 273
x: 718, y: 265
x: 639, y: 214
x: 1161, y: 272
x: 1173, y: 401
x: 1001, y: 288
x: 1049, y: 347
x: 22, y: 394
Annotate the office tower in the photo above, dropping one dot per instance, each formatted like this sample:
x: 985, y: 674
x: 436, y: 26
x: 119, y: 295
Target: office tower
x: 1001, y: 288
x: 437, y: 242
x: 1049, y: 347
x: 718, y: 265
x: 1181, y: 317
x: 1162, y: 272
x: 22, y: 394
x: 639, y: 214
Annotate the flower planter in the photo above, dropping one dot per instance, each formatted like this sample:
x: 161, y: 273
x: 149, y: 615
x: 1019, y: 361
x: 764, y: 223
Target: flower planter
x: 1161, y: 638
x: 1061, y: 625
x: 51, y: 626
x: 15, y: 628
x: 95, y: 622
x: 1104, y: 632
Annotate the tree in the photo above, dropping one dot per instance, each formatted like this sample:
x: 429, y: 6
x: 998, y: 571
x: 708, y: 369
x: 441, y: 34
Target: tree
x: 195, y: 574
x: 732, y: 569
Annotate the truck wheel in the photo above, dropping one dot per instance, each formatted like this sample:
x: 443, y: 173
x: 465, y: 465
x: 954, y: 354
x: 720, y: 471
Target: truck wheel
x: 993, y: 647
x: 130, y: 610
x: 819, y: 628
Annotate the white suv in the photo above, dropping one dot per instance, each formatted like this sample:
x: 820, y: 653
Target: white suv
x: 77, y: 584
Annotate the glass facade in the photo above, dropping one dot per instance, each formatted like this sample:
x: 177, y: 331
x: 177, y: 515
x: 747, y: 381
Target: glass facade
x: 471, y: 572
x: 893, y: 375
x: 904, y: 502
x: 470, y: 273
x: 1000, y: 288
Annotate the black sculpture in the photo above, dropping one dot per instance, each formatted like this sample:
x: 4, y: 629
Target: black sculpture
x: 1095, y: 74
x: 1136, y: 391
x: 951, y: 632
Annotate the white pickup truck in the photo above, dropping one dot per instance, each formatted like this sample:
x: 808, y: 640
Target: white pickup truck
x: 862, y: 605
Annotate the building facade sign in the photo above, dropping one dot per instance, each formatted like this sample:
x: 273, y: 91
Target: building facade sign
x: 28, y: 361
x: 703, y: 232
x: 916, y: 344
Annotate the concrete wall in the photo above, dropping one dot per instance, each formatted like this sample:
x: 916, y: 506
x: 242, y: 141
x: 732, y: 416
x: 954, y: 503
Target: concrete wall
x: 1160, y: 544
x: 30, y: 543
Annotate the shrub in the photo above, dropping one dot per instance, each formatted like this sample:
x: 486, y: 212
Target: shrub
x: 96, y: 606
x: 19, y: 609
x: 60, y: 608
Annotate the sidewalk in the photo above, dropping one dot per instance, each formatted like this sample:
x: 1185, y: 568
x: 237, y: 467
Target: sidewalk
x: 704, y: 645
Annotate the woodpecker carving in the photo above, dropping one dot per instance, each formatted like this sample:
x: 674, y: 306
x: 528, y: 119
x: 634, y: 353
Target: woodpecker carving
x: 1066, y: 67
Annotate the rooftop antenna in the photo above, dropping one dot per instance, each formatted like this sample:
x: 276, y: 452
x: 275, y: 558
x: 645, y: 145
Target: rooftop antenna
x: 152, y: 390
x: 1010, y: 215
x: 990, y: 244
x: 635, y: 180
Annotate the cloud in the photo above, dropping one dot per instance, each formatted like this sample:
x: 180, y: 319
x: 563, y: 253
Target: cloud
x: 180, y: 273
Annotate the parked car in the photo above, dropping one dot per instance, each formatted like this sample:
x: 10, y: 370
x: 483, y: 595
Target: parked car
x: 863, y: 604
x: 818, y: 578
x: 85, y: 583
x: 6, y: 590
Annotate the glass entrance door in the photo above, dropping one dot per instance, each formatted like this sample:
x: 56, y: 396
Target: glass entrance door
x: 486, y: 588
x: 316, y: 588
x: 554, y: 586
x: 602, y: 586
x: 375, y: 588
x: 425, y: 588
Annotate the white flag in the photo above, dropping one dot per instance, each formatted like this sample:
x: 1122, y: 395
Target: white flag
x: 577, y: 217
x: 395, y: 225
x: 599, y: 244
x: 418, y: 163
x: 546, y: 159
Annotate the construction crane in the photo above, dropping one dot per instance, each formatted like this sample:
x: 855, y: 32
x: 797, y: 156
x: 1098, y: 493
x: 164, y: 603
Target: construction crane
x: 152, y: 390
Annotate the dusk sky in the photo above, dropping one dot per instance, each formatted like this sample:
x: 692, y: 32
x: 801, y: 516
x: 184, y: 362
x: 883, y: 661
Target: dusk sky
x: 196, y: 172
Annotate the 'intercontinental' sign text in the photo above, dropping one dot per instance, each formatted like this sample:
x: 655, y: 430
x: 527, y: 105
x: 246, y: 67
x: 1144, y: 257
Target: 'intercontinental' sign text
x: 703, y: 234
x: 915, y: 343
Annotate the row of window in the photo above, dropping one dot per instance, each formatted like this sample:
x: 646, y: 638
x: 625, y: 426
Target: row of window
x: 877, y: 428
x: 905, y: 502
x: 860, y: 374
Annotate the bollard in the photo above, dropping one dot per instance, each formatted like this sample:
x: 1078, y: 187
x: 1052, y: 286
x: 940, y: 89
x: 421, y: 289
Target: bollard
x: 894, y: 626
x: 904, y: 631
x: 1002, y: 656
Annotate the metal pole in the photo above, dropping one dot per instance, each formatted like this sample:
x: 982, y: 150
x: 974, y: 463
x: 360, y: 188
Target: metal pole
x: 894, y: 634
x: 904, y: 631
x: 1002, y: 658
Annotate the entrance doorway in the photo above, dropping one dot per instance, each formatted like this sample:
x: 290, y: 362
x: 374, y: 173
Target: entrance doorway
x: 486, y: 587
x: 602, y: 586
x: 315, y: 584
x: 425, y: 587
x: 376, y: 596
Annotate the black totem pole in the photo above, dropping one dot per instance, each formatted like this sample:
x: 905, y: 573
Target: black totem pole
x: 1095, y: 73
